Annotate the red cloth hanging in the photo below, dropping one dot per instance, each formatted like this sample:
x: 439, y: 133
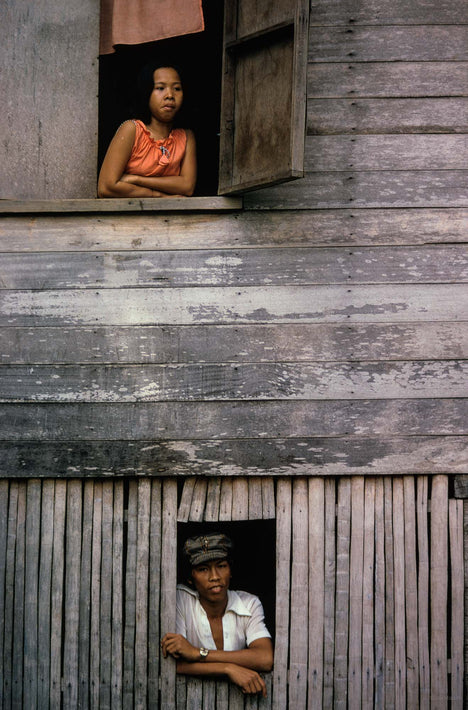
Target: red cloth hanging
x: 139, y: 21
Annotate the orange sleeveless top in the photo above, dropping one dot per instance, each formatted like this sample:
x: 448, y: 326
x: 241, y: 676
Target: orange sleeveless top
x: 155, y: 158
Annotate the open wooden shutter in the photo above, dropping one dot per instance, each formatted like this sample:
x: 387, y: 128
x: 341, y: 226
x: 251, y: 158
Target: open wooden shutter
x: 264, y: 93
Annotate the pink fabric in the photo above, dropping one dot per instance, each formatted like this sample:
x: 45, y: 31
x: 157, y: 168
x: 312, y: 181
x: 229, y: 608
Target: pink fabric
x: 139, y: 21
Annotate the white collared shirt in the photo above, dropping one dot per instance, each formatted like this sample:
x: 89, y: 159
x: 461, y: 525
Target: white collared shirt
x: 243, y: 620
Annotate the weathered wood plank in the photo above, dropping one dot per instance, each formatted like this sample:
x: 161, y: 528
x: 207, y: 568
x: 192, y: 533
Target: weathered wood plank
x: 251, y: 702
x: 18, y: 614
x: 251, y: 267
x: 240, y: 499
x: 460, y: 486
x: 456, y: 602
x: 368, y: 594
x: 130, y: 597
x: 105, y: 611
x: 296, y: 380
x: 194, y: 306
x: 381, y: 12
x: 181, y: 692
x: 15, y: 206
x: 438, y: 590
x: 465, y: 560
x: 255, y: 498
x: 379, y: 595
x: 299, y: 620
x: 411, y: 593
x: 387, y: 115
x: 236, y: 699
x: 386, y: 79
x: 117, y: 595
x: 209, y: 695
x: 329, y: 591
x: 221, y: 420
x: 197, y: 507
x: 72, y: 594
x: 266, y: 703
x: 168, y: 585
x: 316, y: 589
x: 44, y: 596
x: 238, y: 457
x: 283, y: 557
x: 213, y: 494
x: 43, y: 42
x: 185, y: 504
x: 85, y: 594
x: 399, y: 593
x: 4, y: 491
x: 222, y: 696
x: 9, y: 595
x: 141, y: 596
x: 225, y: 502
x: 56, y: 605
x: 368, y: 188
x: 264, y: 229
x: 423, y: 591
x: 356, y: 592
x: 268, y: 498
x: 154, y: 594
x: 343, y: 530
x: 31, y: 589
x: 388, y: 44
x: 260, y: 343
x: 389, y: 152
x: 389, y: 669
x: 94, y: 631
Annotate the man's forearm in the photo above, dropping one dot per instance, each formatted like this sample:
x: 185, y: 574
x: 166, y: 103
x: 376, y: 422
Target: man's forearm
x: 202, y: 668
x: 258, y: 659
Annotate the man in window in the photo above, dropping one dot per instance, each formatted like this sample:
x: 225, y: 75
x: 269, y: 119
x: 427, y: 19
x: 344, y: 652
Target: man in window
x: 219, y: 632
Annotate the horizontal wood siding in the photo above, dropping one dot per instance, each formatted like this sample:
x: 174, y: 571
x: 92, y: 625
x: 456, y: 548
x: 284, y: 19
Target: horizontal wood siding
x: 322, y: 330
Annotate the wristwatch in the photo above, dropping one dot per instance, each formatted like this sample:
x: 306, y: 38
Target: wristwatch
x: 203, y: 653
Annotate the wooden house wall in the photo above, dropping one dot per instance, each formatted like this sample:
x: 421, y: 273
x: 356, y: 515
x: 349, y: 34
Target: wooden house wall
x: 319, y: 335
x: 49, y: 79
x: 369, y: 595
x: 322, y: 330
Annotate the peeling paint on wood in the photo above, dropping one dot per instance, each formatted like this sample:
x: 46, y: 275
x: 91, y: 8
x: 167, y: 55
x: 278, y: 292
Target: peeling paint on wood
x: 242, y: 267
x: 226, y: 419
x: 216, y: 305
x: 115, y: 383
x: 345, y: 456
x: 240, y: 343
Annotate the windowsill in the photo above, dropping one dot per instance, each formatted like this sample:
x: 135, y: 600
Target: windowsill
x: 161, y: 204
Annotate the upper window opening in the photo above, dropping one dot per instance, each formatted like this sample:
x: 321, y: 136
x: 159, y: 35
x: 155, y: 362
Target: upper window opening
x: 198, y: 57
x: 244, y: 82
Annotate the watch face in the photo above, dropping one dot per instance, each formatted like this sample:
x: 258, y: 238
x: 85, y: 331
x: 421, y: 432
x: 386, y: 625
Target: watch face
x: 203, y: 652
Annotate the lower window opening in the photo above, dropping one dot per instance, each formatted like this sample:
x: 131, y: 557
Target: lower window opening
x: 254, y: 558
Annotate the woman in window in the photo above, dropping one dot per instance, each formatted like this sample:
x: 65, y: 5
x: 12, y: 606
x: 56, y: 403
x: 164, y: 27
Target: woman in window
x: 151, y: 158
x: 219, y: 632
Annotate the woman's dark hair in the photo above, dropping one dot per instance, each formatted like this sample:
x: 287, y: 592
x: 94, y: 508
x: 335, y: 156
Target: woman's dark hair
x: 145, y: 86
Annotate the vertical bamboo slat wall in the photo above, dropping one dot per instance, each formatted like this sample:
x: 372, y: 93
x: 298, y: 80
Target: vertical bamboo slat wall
x: 127, y: 565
